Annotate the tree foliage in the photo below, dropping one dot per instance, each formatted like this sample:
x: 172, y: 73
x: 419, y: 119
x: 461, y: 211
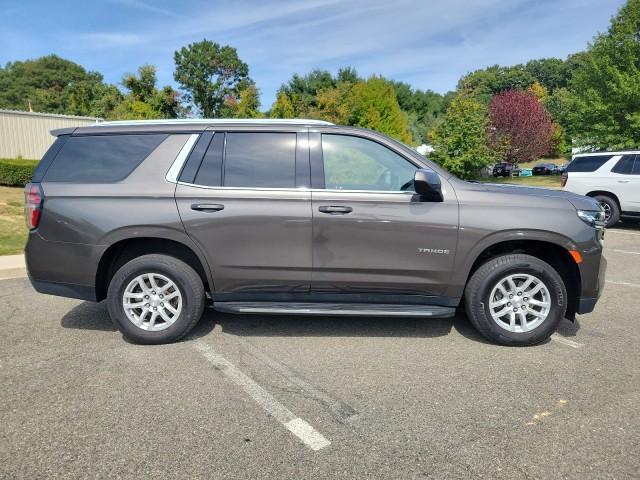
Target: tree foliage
x: 460, y: 141
x: 209, y: 74
x: 521, y: 128
x: 143, y: 100
x: 52, y: 84
x: 605, y: 88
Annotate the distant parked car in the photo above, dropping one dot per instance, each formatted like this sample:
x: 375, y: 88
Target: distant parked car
x: 505, y: 169
x: 526, y: 172
x: 563, y: 167
x: 546, y: 169
x: 612, y: 178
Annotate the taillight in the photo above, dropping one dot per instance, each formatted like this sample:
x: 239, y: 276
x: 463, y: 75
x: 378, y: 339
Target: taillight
x: 33, y: 200
x: 565, y: 178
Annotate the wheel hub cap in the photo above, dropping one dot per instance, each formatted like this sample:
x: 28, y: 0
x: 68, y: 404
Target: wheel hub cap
x: 152, y: 302
x: 520, y: 303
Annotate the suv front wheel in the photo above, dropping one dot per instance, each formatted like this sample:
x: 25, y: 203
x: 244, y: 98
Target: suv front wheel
x: 516, y: 300
x: 155, y: 299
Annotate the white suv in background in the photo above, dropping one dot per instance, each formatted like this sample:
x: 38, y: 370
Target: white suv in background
x: 612, y: 178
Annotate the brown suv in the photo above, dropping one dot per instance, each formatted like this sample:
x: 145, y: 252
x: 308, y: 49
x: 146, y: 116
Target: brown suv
x: 161, y: 218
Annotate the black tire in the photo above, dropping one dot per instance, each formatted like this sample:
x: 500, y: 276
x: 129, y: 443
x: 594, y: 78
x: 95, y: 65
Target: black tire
x: 482, y: 282
x: 181, y: 274
x: 614, y: 209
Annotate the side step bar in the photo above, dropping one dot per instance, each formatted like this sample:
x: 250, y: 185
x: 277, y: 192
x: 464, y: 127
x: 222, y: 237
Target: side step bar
x: 360, y: 309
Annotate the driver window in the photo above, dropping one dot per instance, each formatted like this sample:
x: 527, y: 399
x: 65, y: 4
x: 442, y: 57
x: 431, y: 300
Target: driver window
x: 354, y: 163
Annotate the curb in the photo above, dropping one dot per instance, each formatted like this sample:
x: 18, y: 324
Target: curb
x: 12, y: 266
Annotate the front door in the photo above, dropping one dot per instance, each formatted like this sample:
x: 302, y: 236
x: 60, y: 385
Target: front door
x: 244, y: 207
x: 372, y: 236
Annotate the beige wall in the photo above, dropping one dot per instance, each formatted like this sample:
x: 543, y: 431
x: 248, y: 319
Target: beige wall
x: 27, y: 134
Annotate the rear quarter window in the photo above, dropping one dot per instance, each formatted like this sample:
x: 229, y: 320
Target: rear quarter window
x: 101, y: 158
x: 589, y: 163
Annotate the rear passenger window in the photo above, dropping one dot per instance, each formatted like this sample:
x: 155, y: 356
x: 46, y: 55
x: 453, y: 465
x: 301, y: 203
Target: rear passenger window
x: 101, y: 158
x: 265, y: 160
x: 624, y: 165
x: 589, y: 163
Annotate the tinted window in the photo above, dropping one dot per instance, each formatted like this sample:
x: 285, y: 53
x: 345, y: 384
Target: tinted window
x: 587, y: 164
x: 210, y: 172
x: 190, y: 169
x: 260, y: 160
x: 636, y: 166
x: 101, y: 158
x: 353, y: 163
x: 624, y: 165
x: 48, y: 157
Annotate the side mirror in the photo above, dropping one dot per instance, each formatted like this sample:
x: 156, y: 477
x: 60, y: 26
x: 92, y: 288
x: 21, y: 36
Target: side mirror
x: 427, y: 184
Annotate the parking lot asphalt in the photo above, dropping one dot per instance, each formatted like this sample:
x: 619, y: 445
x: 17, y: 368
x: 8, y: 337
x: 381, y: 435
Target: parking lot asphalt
x: 321, y: 397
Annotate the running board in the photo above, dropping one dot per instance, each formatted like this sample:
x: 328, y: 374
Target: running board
x: 360, y: 309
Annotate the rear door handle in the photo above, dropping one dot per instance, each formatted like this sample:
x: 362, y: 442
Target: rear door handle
x: 623, y: 181
x: 335, y: 209
x: 207, y: 207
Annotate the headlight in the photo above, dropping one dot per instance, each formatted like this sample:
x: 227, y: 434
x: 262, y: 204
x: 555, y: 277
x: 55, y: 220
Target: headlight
x: 593, y: 218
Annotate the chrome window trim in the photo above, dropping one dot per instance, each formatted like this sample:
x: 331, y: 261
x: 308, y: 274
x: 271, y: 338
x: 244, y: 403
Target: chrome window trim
x: 178, y: 163
x: 289, y: 189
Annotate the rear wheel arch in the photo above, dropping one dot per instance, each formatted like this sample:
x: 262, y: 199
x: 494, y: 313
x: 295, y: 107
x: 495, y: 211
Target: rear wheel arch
x: 122, y: 251
x: 552, y: 253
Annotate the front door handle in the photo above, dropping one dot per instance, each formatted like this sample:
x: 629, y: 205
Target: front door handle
x: 623, y: 181
x: 207, y: 207
x: 335, y: 209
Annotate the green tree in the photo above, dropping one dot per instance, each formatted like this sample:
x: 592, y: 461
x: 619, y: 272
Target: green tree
x: 424, y: 109
x: 52, y: 84
x: 605, y: 87
x: 143, y: 99
x: 208, y: 74
x: 373, y: 104
x: 487, y: 82
x: 245, y: 105
x: 302, y: 90
x: 461, y: 140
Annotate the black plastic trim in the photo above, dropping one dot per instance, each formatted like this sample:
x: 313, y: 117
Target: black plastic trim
x: 69, y: 290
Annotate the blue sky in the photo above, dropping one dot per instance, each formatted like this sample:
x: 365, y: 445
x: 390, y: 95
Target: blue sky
x: 428, y: 44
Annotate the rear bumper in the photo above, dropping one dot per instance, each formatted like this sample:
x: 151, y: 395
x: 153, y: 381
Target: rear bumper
x: 59, y: 268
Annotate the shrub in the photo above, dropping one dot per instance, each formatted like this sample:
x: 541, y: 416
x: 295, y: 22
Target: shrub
x: 16, y: 172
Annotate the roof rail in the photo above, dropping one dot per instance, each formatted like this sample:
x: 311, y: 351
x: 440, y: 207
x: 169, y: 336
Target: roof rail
x: 215, y: 121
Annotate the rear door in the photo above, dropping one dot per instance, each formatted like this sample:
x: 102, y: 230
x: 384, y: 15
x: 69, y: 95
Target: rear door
x: 626, y: 175
x: 373, y: 237
x: 243, y: 197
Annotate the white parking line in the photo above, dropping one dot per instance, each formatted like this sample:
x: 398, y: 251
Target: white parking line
x: 565, y: 341
x: 301, y: 429
x: 626, y: 284
x: 340, y: 409
x: 621, y: 251
x: 623, y: 232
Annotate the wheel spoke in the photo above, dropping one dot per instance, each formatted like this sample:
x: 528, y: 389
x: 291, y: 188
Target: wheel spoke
x: 497, y: 303
x: 523, y: 320
x: 535, y: 289
x: 152, y: 282
x: 512, y: 285
x: 152, y: 322
x: 539, y: 303
x: 165, y: 316
x: 138, y: 295
x: 169, y: 307
x: 512, y: 320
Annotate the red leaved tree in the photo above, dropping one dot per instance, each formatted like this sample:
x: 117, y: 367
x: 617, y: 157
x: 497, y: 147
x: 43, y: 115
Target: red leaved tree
x: 521, y: 128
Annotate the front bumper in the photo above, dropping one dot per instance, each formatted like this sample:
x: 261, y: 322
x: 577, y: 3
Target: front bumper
x: 586, y: 304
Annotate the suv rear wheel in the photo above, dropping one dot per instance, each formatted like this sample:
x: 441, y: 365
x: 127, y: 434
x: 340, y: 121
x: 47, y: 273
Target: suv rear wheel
x: 611, y: 209
x: 516, y: 300
x: 155, y: 299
